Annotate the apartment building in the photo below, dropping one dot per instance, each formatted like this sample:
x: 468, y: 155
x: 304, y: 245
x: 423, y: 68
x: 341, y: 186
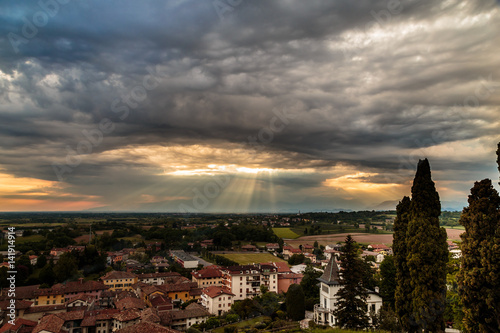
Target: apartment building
x: 245, y: 281
x: 217, y: 300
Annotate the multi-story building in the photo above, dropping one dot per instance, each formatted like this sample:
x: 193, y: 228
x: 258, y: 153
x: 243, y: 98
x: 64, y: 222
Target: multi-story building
x: 63, y: 292
x: 245, y: 281
x: 119, y: 281
x: 217, y: 300
x: 210, y: 276
x: 329, y: 286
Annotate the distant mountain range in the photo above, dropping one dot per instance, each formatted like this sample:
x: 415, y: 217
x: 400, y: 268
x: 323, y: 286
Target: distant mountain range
x: 450, y: 206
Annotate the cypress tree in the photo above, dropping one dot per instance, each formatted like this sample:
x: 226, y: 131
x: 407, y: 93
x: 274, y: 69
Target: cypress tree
x: 295, y: 302
x: 399, y: 247
x: 351, y: 307
x: 427, y: 253
x: 479, y: 276
x: 498, y: 158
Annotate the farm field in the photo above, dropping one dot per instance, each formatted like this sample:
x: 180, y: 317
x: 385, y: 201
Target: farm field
x: 285, y: 233
x: 453, y: 234
x: 249, y: 258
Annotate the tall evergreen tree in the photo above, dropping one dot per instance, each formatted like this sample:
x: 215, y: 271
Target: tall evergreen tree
x: 295, y: 302
x: 427, y: 253
x: 388, y: 281
x: 400, y: 249
x: 479, y: 276
x: 351, y: 307
x: 498, y: 158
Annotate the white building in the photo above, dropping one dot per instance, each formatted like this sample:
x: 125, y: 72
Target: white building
x: 245, y: 281
x: 329, y: 286
x: 217, y: 300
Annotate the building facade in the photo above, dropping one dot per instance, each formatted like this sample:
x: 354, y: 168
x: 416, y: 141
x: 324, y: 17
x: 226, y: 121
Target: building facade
x: 329, y: 287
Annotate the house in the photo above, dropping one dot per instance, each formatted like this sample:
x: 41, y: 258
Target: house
x: 310, y: 256
x: 181, y: 292
x: 210, y: 276
x: 184, y: 259
x: 20, y: 307
x: 125, y: 318
x: 272, y: 247
x: 50, y: 324
x: 329, y: 286
x: 129, y: 303
x: 184, y: 319
x: 160, y: 303
x: 217, y: 300
x: 244, y: 281
x: 33, y: 259
x: 117, y: 280
x: 249, y: 248
x: 80, y: 302
x: 98, y: 321
x: 307, y: 248
x: 379, y: 257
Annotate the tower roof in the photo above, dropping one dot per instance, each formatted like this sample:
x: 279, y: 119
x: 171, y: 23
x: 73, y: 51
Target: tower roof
x: 331, y: 274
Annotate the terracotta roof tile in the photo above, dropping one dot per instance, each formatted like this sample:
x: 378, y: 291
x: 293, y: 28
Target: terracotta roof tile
x: 113, y: 275
x: 214, y: 291
x: 50, y: 323
x: 147, y: 327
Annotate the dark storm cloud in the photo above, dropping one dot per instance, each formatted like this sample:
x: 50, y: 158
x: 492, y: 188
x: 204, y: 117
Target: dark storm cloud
x: 370, y: 84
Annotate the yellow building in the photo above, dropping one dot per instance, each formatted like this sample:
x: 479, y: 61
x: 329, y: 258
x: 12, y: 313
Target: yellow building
x: 120, y: 281
x: 207, y: 277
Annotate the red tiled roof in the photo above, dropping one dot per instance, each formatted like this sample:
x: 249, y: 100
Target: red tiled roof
x: 130, y: 303
x: 214, y: 291
x: 72, y: 315
x: 150, y: 315
x: 282, y: 267
x: 20, y: 304
x: 72, y: 287
x: 127, y: 315
x: 113, y: 275
x: 146, y: 327
x: 178, y: 286
x: 50, y: 323
x: 26, y: 292
x: 45, y: 308
x: 207, y: 273
x: 18, y: 323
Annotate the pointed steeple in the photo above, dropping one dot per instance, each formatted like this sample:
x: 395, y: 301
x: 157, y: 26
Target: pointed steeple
x: 331, y: 274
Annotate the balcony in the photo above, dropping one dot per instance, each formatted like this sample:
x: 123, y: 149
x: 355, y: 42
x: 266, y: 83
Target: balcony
x: 320, y: 309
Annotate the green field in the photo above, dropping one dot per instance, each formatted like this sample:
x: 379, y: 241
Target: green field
x: 32, y: 238
x: 249, y: 258
x: 285, y: 233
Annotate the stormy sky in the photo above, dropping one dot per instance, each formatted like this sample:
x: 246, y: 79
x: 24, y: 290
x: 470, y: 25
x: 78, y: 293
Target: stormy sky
x: 244, y: 105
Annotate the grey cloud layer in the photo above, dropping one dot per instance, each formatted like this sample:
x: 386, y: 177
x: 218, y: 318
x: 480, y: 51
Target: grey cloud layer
x: 363, y: 97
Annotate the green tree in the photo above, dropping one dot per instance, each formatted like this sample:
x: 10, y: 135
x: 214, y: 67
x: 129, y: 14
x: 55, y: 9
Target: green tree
x: 296, y: 259
x: 47, y: 275
x: 402, y: 295
x: 66, y: 267
x: 295, y: 306
x: 427, y: 253
x: 388, y: 281
x: 41, y: 261
x: 351, y: 305
x: 309, y: 285
x: 479, y: 276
